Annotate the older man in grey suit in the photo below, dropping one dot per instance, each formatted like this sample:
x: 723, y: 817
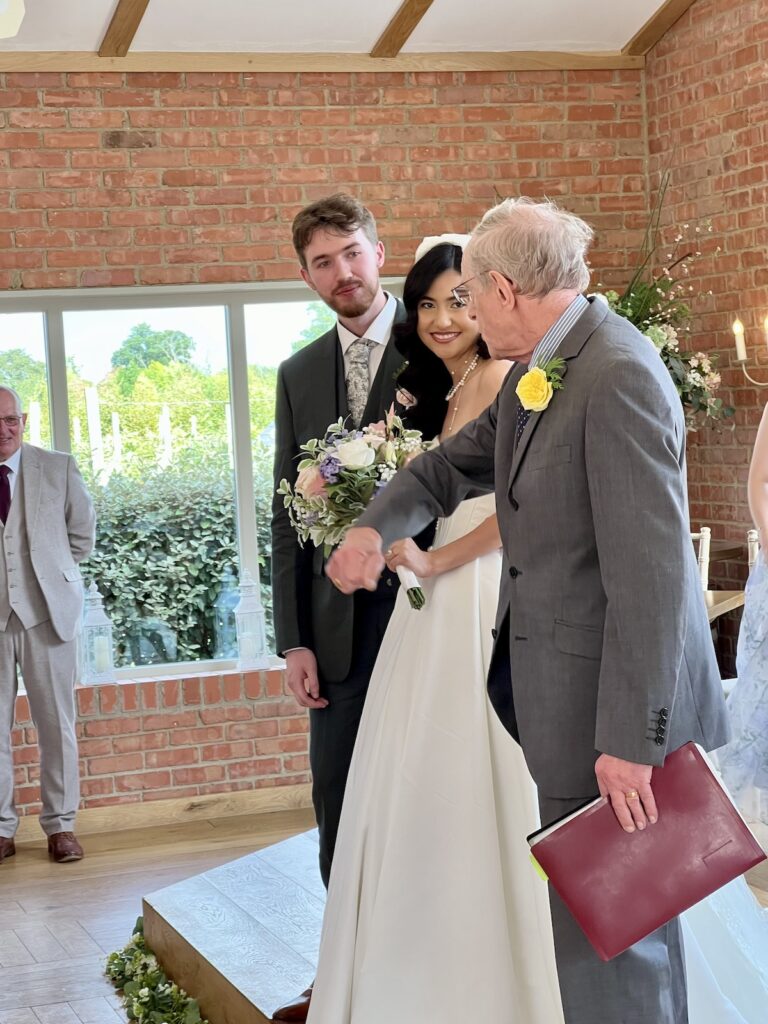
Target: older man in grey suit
x: 603, y: 659
x: 46, y: 529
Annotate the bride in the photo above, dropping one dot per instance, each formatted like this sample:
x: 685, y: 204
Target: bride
x: 434, y: 911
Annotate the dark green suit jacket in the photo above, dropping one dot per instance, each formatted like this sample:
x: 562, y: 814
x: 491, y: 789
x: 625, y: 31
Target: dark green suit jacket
x: 311, y: 394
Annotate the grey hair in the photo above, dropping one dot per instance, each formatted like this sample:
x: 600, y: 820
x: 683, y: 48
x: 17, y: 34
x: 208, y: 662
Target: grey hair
x: 537, y: 245
x: 14, y: 394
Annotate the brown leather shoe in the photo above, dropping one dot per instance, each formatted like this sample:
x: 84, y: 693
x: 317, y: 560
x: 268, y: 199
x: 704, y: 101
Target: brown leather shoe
x: 297, y: 1009
x: 7, y: 848
x: 63, y: 847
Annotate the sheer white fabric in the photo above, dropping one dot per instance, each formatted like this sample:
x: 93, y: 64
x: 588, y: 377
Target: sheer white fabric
x: 744, y: 761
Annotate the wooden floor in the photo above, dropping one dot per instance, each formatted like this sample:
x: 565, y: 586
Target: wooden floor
x: 58, y: 922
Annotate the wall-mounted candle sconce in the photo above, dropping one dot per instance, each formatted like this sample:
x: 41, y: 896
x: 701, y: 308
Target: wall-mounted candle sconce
x: 741, y: 349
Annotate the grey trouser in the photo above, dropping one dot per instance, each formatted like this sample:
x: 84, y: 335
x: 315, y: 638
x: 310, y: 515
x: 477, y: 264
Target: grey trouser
x: 48, y: 666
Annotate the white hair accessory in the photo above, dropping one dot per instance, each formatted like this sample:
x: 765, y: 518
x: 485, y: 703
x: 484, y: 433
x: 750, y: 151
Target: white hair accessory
x: 432, y: 240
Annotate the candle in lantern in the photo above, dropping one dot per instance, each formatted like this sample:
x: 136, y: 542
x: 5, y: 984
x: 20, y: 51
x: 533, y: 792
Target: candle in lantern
x: 738, y: 334
x: 101, y: 653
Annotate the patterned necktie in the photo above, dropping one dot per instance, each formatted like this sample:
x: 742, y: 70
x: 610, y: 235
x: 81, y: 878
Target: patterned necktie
x: 523, y: 416
x: 358, y: 377
x: 5, y: 493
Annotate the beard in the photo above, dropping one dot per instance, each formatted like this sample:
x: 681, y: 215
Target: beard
x: 355, y: 305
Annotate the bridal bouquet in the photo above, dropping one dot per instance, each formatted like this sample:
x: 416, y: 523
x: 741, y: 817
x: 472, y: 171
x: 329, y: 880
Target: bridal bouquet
x: 340, y: 474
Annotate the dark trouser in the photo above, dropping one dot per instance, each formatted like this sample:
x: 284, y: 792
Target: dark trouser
x: 644, y: 985
x: 333, y: 729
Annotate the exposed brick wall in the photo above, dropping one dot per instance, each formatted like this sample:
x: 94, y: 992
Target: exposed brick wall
x: 707, y: 104
x: 127, y: 179
x: 123, y: 179
x: 144, y: 179
x: 174, y: 737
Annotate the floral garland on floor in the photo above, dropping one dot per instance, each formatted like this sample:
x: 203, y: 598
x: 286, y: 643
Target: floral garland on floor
x: 149, y: 997
x: 655, y: 302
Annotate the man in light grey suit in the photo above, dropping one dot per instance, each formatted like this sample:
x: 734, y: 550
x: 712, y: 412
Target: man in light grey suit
x: 46, y: 529
x: 603, y: 659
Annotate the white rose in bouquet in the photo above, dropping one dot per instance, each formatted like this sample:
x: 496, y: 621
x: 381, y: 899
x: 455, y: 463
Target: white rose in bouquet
x: 355, y: 454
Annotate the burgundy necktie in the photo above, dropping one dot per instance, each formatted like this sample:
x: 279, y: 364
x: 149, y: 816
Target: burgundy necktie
x: 5, y: 493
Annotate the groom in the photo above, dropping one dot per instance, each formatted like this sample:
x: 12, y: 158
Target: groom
x: 330, y: 641
x: 603, y: 659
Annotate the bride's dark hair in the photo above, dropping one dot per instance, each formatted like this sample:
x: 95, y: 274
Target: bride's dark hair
x: 424, y: 376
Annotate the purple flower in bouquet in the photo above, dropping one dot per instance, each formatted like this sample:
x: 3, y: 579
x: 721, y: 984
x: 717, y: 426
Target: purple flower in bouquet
x: 335, y: 434
x: 329, y: 469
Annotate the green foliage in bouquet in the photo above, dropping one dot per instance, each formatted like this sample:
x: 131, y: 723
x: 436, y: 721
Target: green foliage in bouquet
x: 341, y: 473
x: 149, y: 997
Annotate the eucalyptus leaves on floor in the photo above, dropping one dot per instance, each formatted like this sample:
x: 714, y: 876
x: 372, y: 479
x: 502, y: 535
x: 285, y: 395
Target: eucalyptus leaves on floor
x: 149, y: 996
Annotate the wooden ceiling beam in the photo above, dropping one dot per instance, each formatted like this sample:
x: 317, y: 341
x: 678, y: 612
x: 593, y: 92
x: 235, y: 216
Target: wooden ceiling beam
x: 401, y: 28
x: 122, y: 28
x: 523, y: 60
x: 656, y: 26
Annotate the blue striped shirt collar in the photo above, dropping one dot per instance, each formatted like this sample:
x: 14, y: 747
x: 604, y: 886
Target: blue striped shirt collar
x: 550, y: 343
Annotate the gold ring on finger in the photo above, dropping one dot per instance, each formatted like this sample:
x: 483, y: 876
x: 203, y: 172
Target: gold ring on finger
x: 631, y: 794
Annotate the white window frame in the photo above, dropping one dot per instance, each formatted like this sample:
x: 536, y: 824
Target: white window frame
x: 53, y: 303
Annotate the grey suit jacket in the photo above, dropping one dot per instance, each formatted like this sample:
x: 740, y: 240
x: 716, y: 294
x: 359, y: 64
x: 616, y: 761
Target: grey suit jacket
x: 60, y: 525
x: 602, y: 637
x: 311, y: 394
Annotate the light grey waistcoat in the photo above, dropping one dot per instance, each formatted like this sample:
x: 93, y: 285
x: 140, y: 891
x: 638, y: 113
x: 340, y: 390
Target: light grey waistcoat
x: 19, y: 590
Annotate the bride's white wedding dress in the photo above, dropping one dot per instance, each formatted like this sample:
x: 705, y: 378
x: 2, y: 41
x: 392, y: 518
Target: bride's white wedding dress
x: 434, y: 911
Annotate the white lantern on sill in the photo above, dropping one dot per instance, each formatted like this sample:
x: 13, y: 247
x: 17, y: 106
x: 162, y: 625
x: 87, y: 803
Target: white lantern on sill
x: 250, y: 625
x: 98, y: 662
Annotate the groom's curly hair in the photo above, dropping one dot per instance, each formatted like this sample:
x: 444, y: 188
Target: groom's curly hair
x: 424, y: 376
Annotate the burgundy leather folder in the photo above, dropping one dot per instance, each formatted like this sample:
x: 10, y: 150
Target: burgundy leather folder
x: 622, y: 886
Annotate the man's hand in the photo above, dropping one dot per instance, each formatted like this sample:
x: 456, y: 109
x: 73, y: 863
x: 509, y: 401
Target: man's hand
x: 357, y: 562
x: 628, y: 786
x: 302, y: 679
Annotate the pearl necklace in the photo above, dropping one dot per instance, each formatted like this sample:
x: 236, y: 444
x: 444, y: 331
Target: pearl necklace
x: 458, y: 386
x: 456, y: 389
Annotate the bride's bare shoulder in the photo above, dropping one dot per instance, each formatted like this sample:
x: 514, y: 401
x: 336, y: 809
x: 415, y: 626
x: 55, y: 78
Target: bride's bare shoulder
x: 494, y: 372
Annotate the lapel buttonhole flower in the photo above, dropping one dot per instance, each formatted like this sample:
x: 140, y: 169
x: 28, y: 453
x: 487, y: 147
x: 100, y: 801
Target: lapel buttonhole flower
x: 536, y: 387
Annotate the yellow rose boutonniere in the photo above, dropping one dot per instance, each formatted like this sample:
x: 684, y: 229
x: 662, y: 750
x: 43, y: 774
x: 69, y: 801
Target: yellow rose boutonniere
x: 536, y: 387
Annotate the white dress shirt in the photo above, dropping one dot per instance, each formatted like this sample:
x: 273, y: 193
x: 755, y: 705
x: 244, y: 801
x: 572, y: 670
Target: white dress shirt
x: 14, y: 464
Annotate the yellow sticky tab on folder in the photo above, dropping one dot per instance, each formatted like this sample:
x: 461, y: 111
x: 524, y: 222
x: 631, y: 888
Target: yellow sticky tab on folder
x: 539, y: 869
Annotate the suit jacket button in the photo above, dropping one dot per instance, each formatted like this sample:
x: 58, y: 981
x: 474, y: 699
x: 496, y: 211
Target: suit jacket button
x: 664, y: 714
x: 514, y: 572
x: 659, y: 741
x: 389, y: 583
x: 494, y: 633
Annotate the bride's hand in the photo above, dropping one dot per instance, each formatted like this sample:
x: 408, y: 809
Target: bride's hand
x: 407, y: 553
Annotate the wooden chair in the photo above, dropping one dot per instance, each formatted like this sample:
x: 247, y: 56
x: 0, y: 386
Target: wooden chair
x: 704, y: 537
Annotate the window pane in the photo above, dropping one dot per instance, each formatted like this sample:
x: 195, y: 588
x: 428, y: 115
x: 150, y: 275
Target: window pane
x: 274, y: 331
x: 22, y: 367
x: 151, y: 429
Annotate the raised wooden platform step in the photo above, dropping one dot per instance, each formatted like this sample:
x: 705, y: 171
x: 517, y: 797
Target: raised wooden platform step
x: 242, y: 938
